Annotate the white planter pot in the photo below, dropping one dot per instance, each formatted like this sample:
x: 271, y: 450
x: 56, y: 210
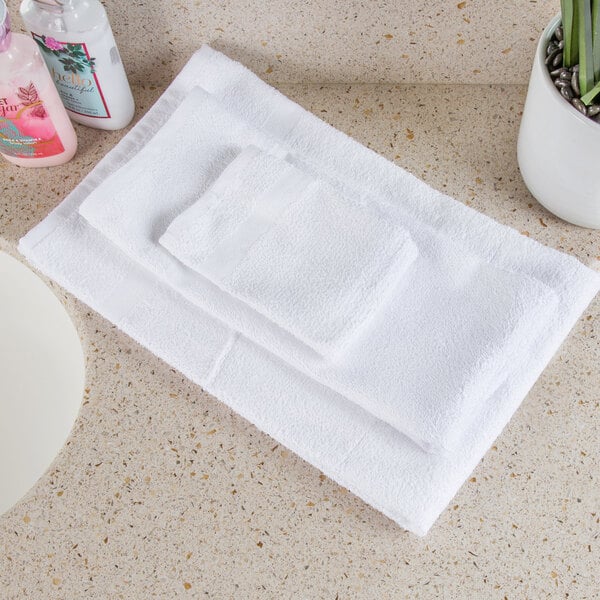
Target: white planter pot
x: 559, y: 149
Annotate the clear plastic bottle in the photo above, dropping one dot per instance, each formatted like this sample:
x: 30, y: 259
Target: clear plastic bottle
x: 79, y: 48
x: 35, y: 130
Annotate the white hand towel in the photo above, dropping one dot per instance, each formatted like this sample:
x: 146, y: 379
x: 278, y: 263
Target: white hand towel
x: 315, y: 262
x: 359, y: 451
x: 456, y: 324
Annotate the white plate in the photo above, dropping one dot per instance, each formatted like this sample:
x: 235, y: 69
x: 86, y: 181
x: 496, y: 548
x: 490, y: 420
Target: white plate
x: 41, y: 378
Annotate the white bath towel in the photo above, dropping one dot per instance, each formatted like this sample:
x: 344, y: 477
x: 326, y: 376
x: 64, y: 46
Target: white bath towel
x: 457, y: 323
x: 353, y: 447
x: 305, y: 256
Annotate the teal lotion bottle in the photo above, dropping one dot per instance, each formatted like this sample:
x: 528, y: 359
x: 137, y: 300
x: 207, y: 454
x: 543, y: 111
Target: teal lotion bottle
x: 77, y: 43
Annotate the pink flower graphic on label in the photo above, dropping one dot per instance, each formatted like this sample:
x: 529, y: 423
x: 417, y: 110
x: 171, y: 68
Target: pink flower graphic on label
x: 26, y: 129
x: 52, y: 43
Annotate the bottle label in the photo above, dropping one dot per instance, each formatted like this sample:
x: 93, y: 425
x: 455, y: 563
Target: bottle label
x: 73, y: 71
x: 26, y: 130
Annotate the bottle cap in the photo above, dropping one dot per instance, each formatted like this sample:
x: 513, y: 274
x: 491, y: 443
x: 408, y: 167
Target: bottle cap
x: 53, y: 6
x: 58, y: 3
x: 4, y: 27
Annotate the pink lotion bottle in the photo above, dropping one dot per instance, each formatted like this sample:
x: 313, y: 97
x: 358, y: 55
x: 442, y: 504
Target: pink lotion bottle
x: 35, y: 130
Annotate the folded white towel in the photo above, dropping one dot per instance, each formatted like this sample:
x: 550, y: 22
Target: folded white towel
x: 454, y: 327
x: 315, y: 262
x: 354, y: 448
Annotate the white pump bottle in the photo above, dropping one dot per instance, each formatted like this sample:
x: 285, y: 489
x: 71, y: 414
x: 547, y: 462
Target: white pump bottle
x: 77, y: 43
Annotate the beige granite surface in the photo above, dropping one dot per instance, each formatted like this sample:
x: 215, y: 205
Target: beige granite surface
x: 454, y: 41
x: 162, y: 492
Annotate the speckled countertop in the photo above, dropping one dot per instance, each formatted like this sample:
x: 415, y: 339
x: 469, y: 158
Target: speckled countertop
x: 162, y: 492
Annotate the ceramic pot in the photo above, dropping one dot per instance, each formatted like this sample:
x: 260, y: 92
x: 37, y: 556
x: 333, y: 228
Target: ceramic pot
x: 559, y: 149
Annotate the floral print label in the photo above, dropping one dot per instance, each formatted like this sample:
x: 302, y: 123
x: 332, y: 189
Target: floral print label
x: 74, y: 73
x: 26, y: 130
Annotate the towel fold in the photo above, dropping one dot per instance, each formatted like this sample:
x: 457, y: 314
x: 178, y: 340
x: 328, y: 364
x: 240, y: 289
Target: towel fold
x: 305, y: 256
x: 348, y: 443
x: 447, y: 333
x: 179, y: 163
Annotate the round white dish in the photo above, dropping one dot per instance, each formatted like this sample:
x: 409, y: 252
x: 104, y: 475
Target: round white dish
x: 41, y: 378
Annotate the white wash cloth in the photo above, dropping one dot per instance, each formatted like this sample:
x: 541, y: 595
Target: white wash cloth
x: 355, y: 449
x: 454, y: 328
x: 313, y: 261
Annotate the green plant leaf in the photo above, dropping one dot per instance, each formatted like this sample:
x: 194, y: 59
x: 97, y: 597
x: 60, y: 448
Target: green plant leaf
x: 588, y: 98
x: 76, y: 53
x: 569, y: 23
x: 596, y: 38
x: 586, y: 54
